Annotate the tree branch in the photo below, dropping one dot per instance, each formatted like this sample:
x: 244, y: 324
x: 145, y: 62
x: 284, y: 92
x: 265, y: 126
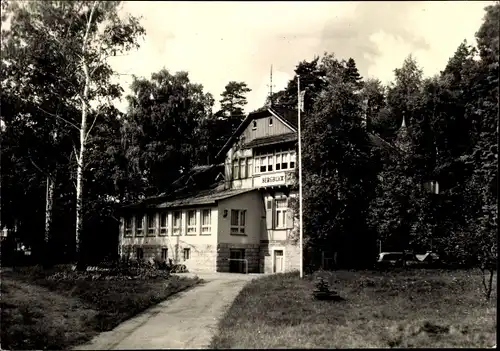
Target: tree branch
x: 50, y: 114
x: 89, y: 23
x: 91, y: 126
x: 47, y: 174
x: 76, y: 155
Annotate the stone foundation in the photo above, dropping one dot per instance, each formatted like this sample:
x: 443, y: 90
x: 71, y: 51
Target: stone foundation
x: 291, y: 252
x: 202, y: 257
x: 251, y: 254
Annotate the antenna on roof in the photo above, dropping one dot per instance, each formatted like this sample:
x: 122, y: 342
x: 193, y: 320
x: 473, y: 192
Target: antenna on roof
x: 271, y: 87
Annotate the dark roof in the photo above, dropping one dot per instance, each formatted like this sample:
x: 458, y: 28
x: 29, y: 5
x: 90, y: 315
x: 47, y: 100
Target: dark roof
x: 194, y: 198
x: 197, y: 179
x: 273, y: 139
x: 199, y: 176
x: 289, y: 115
x: 377, y: 141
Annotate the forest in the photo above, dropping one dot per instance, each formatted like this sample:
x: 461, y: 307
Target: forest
x: 70, y: 159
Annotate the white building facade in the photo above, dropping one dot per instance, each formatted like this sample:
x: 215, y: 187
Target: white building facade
x: 244, y: 222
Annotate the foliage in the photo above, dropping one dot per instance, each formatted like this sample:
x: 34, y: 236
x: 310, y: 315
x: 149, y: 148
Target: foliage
x: 337, y: 173
x: 398, y: 309
x: 40, y: 313
x: 57, y: 73
x: 322, y: 285
x: 312, y: 81
x: 354, y: 192
x: 161, y: 129
x: 234, y: 99
x: 218, y: 128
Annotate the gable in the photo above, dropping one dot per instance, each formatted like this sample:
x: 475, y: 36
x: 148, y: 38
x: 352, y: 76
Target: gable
x: 284, y: 122
x: 265, y: 126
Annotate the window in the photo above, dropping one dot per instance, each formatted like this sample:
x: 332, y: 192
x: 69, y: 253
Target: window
x: 206, y: 221
x: 139, y: 253
x: 270, y: 121
x: 292, y: 159
x: 139, y: 225
x: 243, y: 168
x: 236, y: 170
x: 128, y: 226
x: 278, y: 161
x: 254, y: 125
x: 281, y: 160
x: 177, y: 223
x: 284, y: 160
x: 151, y: 224
x: 281, y: 208
x: 164, y: 254
x: 191, y: 222
x: 263, y: 164
x: 238, y: 222
x: 187, y: 254
x: 163, y: 223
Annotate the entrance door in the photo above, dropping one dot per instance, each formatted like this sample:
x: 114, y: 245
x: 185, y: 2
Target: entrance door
x: 236, y: 264
x: 279, y: 265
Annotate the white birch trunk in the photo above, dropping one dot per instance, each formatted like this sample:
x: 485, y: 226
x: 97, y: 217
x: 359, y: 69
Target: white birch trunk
x: 83, y: 136
x: 48, y: 208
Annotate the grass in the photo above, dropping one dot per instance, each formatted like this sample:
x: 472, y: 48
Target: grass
x: 37, y: 313
x: 415, y: 308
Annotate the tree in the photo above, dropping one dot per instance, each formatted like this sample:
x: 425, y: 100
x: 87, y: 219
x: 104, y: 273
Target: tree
x: 233, y: 99
x: 352, y: 74
x: 312, y: 80
x: 39, y: 144
x: 398, y: 211
x: 373, y: 95
x: 403, y: 94
x: 470, y: 157
x: 80, y: 36
x: 162, y: 129
x: 484, y: 180
x: 217, y: 129
x: 337, y: 171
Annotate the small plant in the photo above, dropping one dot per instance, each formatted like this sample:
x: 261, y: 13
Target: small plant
x: 179, y: 268
x: 323, y: 292
x: 322, y: 285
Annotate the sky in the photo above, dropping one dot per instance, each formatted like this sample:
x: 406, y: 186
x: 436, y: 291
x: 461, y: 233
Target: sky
x: 217, y: 42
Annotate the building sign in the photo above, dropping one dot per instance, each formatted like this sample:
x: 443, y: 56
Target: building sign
x: 274, y: 179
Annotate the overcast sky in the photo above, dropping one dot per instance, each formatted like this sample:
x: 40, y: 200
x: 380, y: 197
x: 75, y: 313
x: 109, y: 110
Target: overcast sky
x: 221, y: 41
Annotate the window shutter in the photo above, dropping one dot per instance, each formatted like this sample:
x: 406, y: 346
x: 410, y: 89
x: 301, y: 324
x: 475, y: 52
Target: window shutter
x: 289, y: 216
x: 269, y: 214
x: 274, y: 213
x: 249, y: 167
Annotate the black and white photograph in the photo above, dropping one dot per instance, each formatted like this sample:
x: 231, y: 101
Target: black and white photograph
x: 248, y: 174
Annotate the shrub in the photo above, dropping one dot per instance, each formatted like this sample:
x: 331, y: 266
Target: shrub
x: 179, y: 268
x: 322, y: 285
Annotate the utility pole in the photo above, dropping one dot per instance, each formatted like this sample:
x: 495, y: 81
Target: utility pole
x: 300, y: 183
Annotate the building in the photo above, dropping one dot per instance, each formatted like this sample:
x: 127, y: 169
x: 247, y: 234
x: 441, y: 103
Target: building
x: 236, y: 216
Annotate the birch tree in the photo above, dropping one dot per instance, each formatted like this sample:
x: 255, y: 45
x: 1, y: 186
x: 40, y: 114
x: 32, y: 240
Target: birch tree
x: 80, y: 36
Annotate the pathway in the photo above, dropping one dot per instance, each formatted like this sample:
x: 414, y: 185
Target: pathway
x: 187, y: 320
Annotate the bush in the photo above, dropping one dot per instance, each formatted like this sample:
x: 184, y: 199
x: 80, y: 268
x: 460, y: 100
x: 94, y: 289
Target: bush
x: 161, y: 263
x: 179, y: 268
x: 124, y: 269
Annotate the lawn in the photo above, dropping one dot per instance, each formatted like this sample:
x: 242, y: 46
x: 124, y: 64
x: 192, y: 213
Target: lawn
x: 414, y: 308
x: 38, y: 313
